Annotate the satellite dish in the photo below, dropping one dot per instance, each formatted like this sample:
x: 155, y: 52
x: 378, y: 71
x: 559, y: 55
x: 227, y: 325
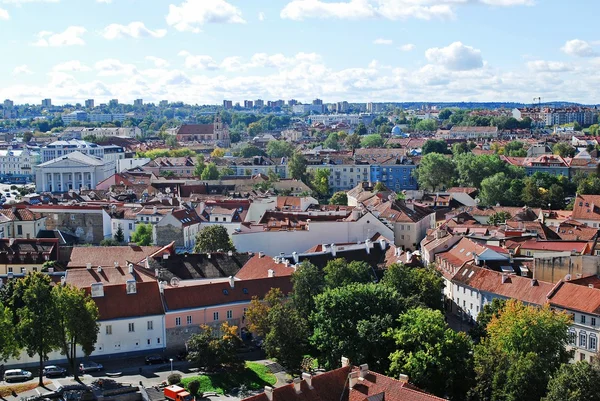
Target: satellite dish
x: 175, y: 282
x: 168, y: 190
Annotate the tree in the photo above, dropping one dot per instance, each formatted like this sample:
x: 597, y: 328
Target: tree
x: 372, y: 141
x: 495, y: 189
x: 489, y: 311
x: 308, y: 282
x: 76, y: 322
x: 278, y: 149
x: 27, y: 136
x: 575, y: 382
x: 171, y: 141
x: 320, y: 181
x: 515, y: 149
x: 120, y: 236
x: 199, y: 166
x: 37, y: 327
x: 353, y: 141
x: 217, y: 152
x: 339, y: 273
x: 436, y: 358
x: 9, y: 346
x: 426, y: 125
x: 109, y: 242
x: 332, y: 141
x: 435, y: 146
x: 194, y: 387
x: 361, y: 129
x: 459, y: 148
x: 498, y: 218
x: 213, y: 238
x: 210, y: 350
x: 251, y: 151
x: 210, y: 172
x: 339, y: 198
x: 287, y: 337
x: 435, y: 171
x: 348, y: 321
x: 445, y: 114
x: 142, y: 234
x: 227, y: 171
x: 419, y: 286
x: 472, y: 169
x: 379, y: 187
x: 297, y: 166
x: 257, y: 313
x: 563, y: 149
x: 525, y: 344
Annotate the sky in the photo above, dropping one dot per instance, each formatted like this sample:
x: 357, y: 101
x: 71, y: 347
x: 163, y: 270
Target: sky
x: 204, y: 51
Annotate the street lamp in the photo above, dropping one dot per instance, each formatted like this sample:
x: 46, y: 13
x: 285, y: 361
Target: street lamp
x: 171, y: 360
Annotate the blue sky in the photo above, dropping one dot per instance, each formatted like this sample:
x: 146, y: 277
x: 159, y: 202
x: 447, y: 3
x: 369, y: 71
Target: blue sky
x: 204, y: 51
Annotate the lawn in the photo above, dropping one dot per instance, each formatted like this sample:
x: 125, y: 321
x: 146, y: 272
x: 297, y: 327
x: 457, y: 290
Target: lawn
x: 6, y: 391
x: 255, y: 376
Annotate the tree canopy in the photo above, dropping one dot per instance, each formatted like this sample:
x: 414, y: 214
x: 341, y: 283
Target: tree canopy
x: 212, y: 239
x: 372, y: 141
x: 435, y: 172
x: 142, y: 234
x: 278, y: 149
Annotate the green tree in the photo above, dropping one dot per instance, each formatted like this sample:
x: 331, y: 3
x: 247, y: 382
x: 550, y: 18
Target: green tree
x: 212, y: 239
x: 444, y: 114
x: 379, y: 187
x: 498, y: 218
x: 339, y: 273
x: 472, y: 169
x: 76, y: 322
x: 9, y: 346
x: 372, y: 141
x: 459, y: 148
x: 419, y: 286
x: 575, y: 382
x: 308, y: 282
x: 171, y: 141
x: 361, y: 129
x: 320, y: 181
x: 297, y: 166
x: 348, y: 321
x: 435, y: 171
x: 332, y: 141
x: 210, y: 172
x: 257, y: 313
x: 495, y: 189
x: 27, y: 136
x: 226, y: 171
x: 142, y: 234
x: 37, y: 327
x: 120, y: 236
x: 426, y: 125
x: 212, y: 350
x: 435, y: 146
x: 353, y: 141
x: 436, y: 358
x: 199, y: 169
x: 489, y: 311
x: 109, y: 242
x: 339, y: 198
x: 278, y: 149
x: 515, y: 149
x: 287, y: 337
x: 251, y: 151
x: 563, y: 149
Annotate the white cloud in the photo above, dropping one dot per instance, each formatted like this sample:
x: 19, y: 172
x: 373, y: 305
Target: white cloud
x: 201, y: 62
x: 110, y: 67
x: 455, y: 57
x: 578, y: 47
x: 302, y: 9
x: 507, y: 3
x: 262, y: 16
x: 158, y: 62
x: 258, y: 60
x: 71, y: 66
x: 70, y: 37
x: 548, y: 66
x: 4, y: 14
x: 192, y: 14
x: 134, y: 30
x: 22, y: 70
x: 382, y: 41
x: 407, y: 47
x: 19, y: 2
x: 104, y: 1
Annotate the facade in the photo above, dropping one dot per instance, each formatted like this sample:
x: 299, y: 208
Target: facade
x: 89, y: 104
x: 471, y: 132
x: 112, y: 155
x: 395, y: 173
x: 179, y: 227
x: 90, y: 224
x: 16, y: 166
x: 22, y: 256
x: 63, y: 148
x: 216, y: 133
x: 409, y: 222
x: 73, y: 171
x: 20, y: 223
x: 78, y: 115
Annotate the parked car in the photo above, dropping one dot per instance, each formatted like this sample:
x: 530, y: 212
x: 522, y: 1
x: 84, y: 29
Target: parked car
x: 14, y: 375
x: 54, y: 371
x: 152, y: 359
x: 86, y: 367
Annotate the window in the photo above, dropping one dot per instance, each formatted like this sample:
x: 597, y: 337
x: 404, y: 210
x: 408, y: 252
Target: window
x: 158, y: 340
x: 188, y: 320
x: 593, y: 342
x: 150, y: 325
x: 10, y: 269
x: 131, y: 226
x: 131, y: 327
x: 108, y: 329
x: 593, y: 321
x: 177, y: 321
x: 572, y: 337
x: 229, y: 314
x: 582, y: 357
x: 582, y: 319
x: 149, y: 341
x: 19, y: 229
x: 582, y: 339
x: 216, y: 316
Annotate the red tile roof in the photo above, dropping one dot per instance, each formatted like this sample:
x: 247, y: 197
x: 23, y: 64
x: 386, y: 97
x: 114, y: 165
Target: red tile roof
x: 82, y: 277
x: 258, y: 267
x: 586, y: 207
x: 105, y: 256
x: 117, y: 304
x: 556, y: 246
x: 576, y: 297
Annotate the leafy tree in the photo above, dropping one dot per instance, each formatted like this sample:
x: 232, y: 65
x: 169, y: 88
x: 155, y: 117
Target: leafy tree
x: 472, y: 169
x: 575, y: 382
x: 9, y: 346
x: 435, y: 171
x: 287, y: 337
x: 426, y: 125
x: 251, y: 151
x: 590, y: 185
x: 297, y: 166
x: 320, y: 181
x: 489, y: 311
x: 212, y: 239
x: 109, y: 242
x: 194, y: 387
x: 372, y: 141
x: 339, y: 273
x: 436, y: 358
x: 361, y: 129
x: 515, y: 149
x: 211, y: 350
x: 459, y: 148
x: 498, y: 218
x: 199, y: 166
x: 217, y: 152
x: 76, y: 322
x: 308, y: 282
x: 419, y: 286
x: 120, y: 236
x: 257, y: 313
x: 174, y: 378
x: 210, y: 172
x: 495, y: 189
x: 37, y: 327
x: 27, y: 136
x: 525, y: 344
x: 353, y: 141
x: 332, y: 141
x: 226, y: 171
x: 445, y: 114
x: 278, y: 149
x: 167, y: 173
x: 142, y: 234
x: 171, y: 141
x: 435, y: 146
x: 348, y: 321
x: 379, y: 187
x: 563, y: 149
x: 339, y: 198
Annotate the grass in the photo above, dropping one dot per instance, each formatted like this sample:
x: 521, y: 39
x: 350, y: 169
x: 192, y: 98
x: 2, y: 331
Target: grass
x: 255, y: 376
x: 6, y: 391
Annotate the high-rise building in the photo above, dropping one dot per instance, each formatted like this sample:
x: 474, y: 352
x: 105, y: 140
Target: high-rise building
x: 317, y: 102
x: 163, y: 103
x: 113, y: 103
x: 259, y: 103
x: 89, y: 104
x: 7, y: 110
x: 342, y: 107
x: 46, y: 102
x: 248, y: 104
x: 292, y: 102
x: 138, y: 102
x: 227, y: 104
x: 8, y: 104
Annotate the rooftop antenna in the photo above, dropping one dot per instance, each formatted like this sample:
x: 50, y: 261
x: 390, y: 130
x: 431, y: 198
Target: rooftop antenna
x: 539, y: 100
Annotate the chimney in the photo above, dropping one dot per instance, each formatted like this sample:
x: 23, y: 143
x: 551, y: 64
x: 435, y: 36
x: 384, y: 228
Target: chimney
x: 88, y: 266
x: 99, y: 269
x: 295, y: 256
x: 231, y: 281
x: 364, y: 370
x: 534, y: 282
x: 590, y: 285
x: 353, y: 379
x: 368, y: 246
x: 271, y: 273
x: 154, y: 210
x: 261, y: 254
x: 156, y: 272
x: 403, y: 378
x: 116, y: 264
x: 130, y: 268
x: 51, y: 270
x: 307, y: 377
x: 229, y: 253
x: 504, y: 278
x: 333, y: 250
x: 382, y: 244
x: 161, y: 287
x: 345, y: 362
x: 165, y: 256
x: 297, y: 383
x: 269, y: 392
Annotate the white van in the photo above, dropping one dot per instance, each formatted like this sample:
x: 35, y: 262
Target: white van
x: 13, y: 375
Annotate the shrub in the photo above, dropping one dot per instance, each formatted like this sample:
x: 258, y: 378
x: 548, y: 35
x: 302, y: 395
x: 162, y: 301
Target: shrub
x: 193, y: 387
x: 174, y: 378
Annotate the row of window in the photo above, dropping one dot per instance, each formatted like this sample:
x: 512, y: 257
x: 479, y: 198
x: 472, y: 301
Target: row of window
x: 131, y: 328
x: 586, y: 341
x: 188, y: 319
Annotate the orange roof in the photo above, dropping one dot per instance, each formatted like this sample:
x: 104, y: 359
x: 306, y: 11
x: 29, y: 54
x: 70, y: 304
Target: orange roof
x: 258, y: 267
x: 83, y: 278
x: 105, y: 256
x: 556, y: 246
x: 576, y: 297
x: 586, y: 207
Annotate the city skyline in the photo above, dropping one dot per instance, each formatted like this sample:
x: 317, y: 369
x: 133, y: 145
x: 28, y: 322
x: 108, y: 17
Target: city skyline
x: 201, y: 52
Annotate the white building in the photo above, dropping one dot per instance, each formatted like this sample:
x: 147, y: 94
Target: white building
x: 128, y: 163
x: 17, y: 165
x: 62, y: 148
x: 73, y: 171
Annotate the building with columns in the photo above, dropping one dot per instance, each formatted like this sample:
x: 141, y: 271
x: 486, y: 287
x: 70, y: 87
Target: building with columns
x: 73, y: 171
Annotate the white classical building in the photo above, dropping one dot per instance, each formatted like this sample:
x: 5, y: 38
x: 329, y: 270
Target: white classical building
x: 17, y: 165
x: 62, y: 148
x: 73, y: 171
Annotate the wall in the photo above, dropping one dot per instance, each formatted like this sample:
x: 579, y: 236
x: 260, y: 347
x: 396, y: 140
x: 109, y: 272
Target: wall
x: 554, y: 269
x: 165, y: 234
x: 88, y: 227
